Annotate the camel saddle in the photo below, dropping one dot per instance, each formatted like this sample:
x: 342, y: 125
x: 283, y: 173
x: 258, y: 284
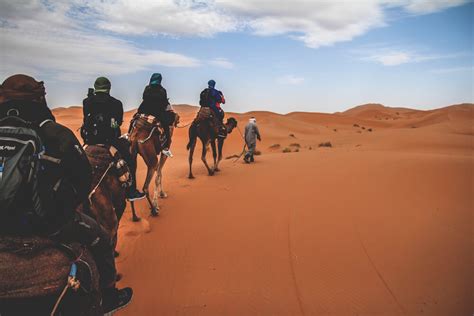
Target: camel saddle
x: 101, y: 156
x: 206, y: 114
x: 32, y: 267
x: 148, y: 124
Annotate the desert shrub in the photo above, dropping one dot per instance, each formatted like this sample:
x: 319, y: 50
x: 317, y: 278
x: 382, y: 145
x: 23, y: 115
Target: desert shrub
x: 296, y: 150
x: 292, y: 135
x: 257, y: 152
x: 295, y: 145
x: 286, y: 150
x: 326, y: 144
x: 356, y: 125
x: 275, y: 146
x: 363, y: 127
x: 370, y: 130
x: 335, y: 129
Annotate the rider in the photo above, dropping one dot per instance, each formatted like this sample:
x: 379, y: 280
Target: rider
x: 212, y: 98
x: 63, y: 184
x: 155, y: 102
x: 98, y: 107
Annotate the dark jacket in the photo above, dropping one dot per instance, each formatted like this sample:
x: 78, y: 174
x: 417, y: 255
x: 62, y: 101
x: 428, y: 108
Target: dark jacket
x: 155, y: 101
x: 58, y: 206
x: 103, y: 103
x: 110, y: 108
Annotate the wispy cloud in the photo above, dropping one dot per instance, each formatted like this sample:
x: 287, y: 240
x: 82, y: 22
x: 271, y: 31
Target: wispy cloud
x: 395, y: 56
x: 222, y: 62
x: 425, y: 6
x: 290, y: 80
x: 454, y: 70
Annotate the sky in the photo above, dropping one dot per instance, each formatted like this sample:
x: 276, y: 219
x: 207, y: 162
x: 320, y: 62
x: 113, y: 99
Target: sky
x: 280, y: 56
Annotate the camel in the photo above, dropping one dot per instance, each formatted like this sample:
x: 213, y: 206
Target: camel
x: 40, y: 274
x: 205, y: 131
x: 145, y: 137
x: 107, y: 198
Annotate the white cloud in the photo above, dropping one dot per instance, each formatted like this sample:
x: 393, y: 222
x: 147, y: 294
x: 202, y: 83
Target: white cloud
x: 392, y: 58
x: 290, y: 80
x: 222, y: 62
x: 315, y: 23
x: 41, y: 39
x: 164, y: 17
x: 73, y: 39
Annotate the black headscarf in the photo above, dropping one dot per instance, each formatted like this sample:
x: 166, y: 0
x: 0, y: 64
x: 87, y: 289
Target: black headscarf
x: 25, y: 95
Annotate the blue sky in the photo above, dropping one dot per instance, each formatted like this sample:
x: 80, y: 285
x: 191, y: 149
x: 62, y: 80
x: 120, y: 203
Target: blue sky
x: 281, y: 56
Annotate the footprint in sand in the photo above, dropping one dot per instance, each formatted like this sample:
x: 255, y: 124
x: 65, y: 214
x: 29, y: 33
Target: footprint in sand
x: 135, y: 229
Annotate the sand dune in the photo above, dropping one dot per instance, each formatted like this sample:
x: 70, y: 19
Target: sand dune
x: 378, y: 224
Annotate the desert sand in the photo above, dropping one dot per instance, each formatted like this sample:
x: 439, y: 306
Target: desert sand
x: 381, y: 223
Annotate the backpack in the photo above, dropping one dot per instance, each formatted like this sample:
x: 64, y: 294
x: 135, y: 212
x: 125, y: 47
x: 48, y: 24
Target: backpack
x: 94, y: 129
x: 205, y: 97
x: 20, y: 153
x: 97, y: 127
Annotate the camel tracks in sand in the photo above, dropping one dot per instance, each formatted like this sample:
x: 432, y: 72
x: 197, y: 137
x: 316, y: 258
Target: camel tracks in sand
x: 379, y: 274
x: 291, y: 255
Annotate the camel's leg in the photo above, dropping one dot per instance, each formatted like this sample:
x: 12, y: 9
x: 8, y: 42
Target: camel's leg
x: 220, y: 144
x: 163, y: 160
x: 190, y: 159
x: 214, y: 153
x: 135, y: 218
x: 149, y: 175
x: 158, y: 192
x: 203, y: 157
x: 134, y: 153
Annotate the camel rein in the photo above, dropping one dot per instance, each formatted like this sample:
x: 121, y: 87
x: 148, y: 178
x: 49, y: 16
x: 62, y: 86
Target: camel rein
x: 100, y: 181
x: 245, y: 145
x: 142, y: 141
x: 72, y: 282
x: 183, y: 126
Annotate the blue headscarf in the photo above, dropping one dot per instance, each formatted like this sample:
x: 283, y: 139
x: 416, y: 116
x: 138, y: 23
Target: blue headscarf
x: 211, y: 83
x: 155, y: 79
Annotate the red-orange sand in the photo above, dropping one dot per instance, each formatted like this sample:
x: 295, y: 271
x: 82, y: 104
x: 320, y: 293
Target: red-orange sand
x: 381, y: 223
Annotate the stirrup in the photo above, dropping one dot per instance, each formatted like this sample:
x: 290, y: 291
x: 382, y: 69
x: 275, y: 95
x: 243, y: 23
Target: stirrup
x: 167, y: 153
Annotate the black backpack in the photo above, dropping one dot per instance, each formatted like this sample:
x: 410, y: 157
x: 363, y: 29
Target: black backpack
x: 205, y: 97
x: 20, y: 153
x: 95, y: 129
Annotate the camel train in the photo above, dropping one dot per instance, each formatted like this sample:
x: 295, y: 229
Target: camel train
x: 44, y: 286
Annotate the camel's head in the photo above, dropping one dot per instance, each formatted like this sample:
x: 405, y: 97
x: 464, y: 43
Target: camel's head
x: 230, y: 124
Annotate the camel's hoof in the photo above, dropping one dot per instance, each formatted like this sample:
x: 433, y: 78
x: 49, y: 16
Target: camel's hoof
x: 163, y: 195
x: 217, y: 170
x: 136, y: 219
x: 116, y: 253
x: 191, y: 177
x: 154, y: 212
x: 211, y: 173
